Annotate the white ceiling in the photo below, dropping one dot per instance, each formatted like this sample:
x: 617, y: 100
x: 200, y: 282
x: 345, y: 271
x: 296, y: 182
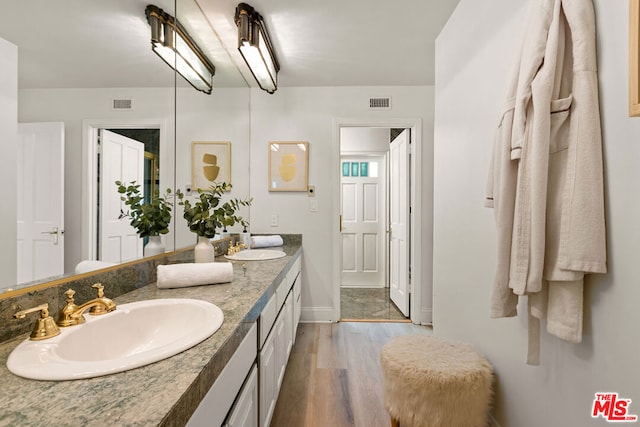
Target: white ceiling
x: 84, y: 43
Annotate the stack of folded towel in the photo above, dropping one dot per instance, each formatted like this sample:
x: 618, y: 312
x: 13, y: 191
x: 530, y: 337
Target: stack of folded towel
x: 194, y: 274
x: 266, y: 241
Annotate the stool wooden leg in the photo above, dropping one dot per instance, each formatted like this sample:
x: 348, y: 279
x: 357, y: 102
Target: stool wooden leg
x: 394, y: 422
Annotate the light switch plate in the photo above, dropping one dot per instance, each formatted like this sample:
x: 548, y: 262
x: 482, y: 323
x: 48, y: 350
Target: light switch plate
x: 313, y: 205
x: 311, y: 191
x: 274, y: 220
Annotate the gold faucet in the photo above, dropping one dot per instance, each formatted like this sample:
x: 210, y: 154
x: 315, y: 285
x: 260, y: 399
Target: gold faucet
x: 234, y: 249
x: 45, y: 327
x: 72, y: 314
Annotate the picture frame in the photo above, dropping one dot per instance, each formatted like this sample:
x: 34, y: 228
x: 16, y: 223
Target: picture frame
x: 634, y: 58
x: 288, y: 165
x: 210, y: 163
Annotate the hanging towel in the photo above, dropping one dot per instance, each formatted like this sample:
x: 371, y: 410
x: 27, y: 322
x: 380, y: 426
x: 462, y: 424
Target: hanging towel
x: 266, y: 241
x: 194, y: 274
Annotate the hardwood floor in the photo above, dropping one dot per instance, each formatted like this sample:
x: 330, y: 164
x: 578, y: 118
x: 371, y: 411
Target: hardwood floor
x: 334, y: 378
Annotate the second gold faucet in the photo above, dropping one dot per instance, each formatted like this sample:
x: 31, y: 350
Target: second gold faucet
x: 72, y: 314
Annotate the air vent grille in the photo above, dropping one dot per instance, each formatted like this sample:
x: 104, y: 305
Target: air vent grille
x: 122, y: 104
x: 379, y: 103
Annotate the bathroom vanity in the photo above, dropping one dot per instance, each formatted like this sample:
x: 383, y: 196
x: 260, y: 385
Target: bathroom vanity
x: 231, y: 378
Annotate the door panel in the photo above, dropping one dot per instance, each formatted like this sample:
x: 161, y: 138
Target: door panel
x: 122, y: 160
x: 363, y: 221
x: 399, y: 199
x: 40, y: 227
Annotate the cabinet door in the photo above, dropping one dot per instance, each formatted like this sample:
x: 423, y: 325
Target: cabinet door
x: 268, y: 380
x: 281, y: 345
x: 245, y: 411
x: 297, y: 304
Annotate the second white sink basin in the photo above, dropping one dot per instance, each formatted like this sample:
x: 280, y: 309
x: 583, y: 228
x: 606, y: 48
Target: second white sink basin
x: 134, y: 335
x: 256, y: 255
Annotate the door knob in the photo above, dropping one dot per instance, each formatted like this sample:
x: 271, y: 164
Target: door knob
x: 55, y: 231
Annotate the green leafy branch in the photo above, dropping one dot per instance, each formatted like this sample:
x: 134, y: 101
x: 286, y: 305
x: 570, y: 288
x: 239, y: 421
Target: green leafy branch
x: 149, y: 219
x: 206, y: 214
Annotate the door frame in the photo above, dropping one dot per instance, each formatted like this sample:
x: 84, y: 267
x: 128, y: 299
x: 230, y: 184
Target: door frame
x: 415, y: 124
x: 90, y: 172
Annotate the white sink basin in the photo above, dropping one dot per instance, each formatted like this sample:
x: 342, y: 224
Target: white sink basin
x: 256, y: 255
x: 134, y: 335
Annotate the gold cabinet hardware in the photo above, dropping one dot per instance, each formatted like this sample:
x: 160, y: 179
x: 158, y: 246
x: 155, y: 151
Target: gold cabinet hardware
x: 45, y: 327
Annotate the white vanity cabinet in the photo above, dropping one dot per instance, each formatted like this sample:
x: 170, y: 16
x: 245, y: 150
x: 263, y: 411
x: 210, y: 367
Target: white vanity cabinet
x: 246, y: 392
x: 278, y: 321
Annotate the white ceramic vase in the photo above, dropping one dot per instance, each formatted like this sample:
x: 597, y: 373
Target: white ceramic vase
x: 204, y: 252
x: 154, y: 246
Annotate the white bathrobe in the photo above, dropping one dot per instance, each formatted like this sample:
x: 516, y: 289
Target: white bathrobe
x: 546, y: 178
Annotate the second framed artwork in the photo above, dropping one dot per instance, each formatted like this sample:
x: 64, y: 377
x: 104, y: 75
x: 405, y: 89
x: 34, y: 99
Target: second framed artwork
x: 288, y: 166
x: 210, y: 163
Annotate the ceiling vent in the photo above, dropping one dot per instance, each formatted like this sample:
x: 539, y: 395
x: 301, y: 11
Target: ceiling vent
x: 379, y: 103
x: 122, y: 104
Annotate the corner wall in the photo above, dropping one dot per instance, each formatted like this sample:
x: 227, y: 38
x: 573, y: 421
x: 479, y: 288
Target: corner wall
x: 8, y: 154
x: 473, y: 57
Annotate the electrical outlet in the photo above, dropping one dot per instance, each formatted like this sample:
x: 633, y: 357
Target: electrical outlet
x: 274, y: 220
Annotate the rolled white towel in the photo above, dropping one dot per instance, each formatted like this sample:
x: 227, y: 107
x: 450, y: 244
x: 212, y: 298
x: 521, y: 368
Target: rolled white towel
x: 194, y: 274
x: 89, y: 265
x: 266, y: 241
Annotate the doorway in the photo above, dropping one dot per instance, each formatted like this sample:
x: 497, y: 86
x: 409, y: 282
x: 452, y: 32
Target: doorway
x: 374, y: 224
x: 155, y: 165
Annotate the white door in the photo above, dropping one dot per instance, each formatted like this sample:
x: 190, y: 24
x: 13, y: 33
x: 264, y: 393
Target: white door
x: 40, y: 225
x: 399, y: 196
x: 122, y: 159
x: 363, y: 220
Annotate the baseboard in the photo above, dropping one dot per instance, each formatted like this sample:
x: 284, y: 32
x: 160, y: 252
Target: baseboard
x: 317, y: 315
x: 426, y: 316
x: 363, y: 286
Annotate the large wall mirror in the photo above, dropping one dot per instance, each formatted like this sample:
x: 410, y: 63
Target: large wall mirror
x: 86, y: 71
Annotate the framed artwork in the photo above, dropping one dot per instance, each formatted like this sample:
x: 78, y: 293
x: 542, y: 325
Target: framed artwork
x: 288, y: 166
x: 634, y: 58
x: 210, y: 163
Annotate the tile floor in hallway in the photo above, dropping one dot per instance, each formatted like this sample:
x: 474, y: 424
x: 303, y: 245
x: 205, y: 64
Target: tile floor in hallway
x: 368, y: 304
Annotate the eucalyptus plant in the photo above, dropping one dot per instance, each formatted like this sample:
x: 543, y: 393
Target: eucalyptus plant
x: 149, y: 219
x: 207, y: 214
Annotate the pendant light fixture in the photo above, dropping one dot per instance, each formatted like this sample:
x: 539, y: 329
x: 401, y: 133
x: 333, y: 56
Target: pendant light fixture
x: 255, y: 47
x: 171, y: 42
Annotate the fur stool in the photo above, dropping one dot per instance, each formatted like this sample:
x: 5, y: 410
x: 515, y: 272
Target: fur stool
x: 432, y: 382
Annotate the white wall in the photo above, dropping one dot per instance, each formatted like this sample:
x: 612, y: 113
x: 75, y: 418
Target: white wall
x: 361, y: 140
x: 473, y: 58
x: 308, y: 114
x: 72, y: 106
x: 8, y: 154
x: 223, y: 116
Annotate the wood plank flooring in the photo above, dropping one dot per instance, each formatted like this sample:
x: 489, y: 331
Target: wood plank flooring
x: 334, y: 378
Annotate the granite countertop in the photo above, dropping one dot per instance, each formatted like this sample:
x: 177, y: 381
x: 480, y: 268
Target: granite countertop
x: 164, y: 393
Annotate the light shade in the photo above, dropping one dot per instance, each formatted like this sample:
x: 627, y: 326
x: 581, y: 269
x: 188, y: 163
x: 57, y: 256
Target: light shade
x: 171, y: 42
x: 255, y: 47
